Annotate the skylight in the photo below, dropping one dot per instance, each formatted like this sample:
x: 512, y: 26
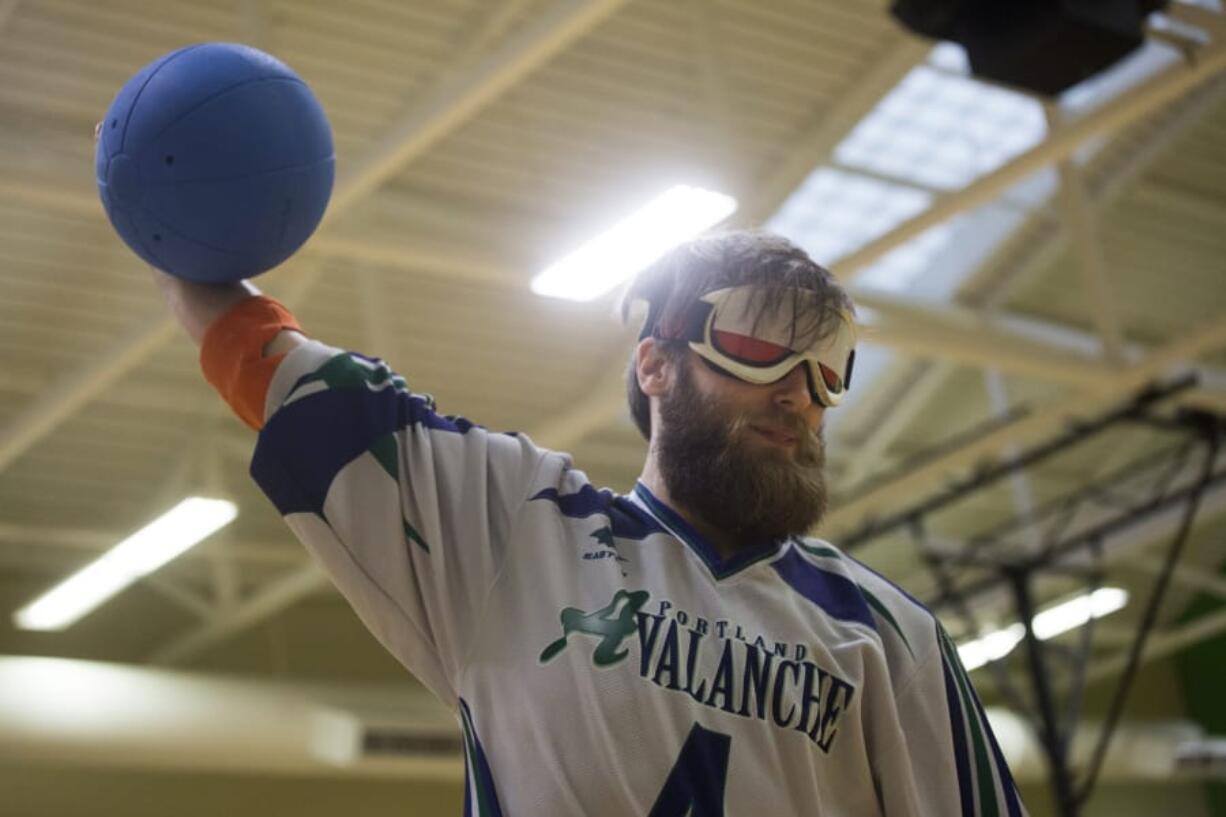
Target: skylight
x: 936, y: 130
x: 942, y: 130
x: 833, y: 212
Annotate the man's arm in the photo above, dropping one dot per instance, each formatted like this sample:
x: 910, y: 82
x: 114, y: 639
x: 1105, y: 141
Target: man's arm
x: 408, y: 512
x: 197, y: 306
x: 243, y: 337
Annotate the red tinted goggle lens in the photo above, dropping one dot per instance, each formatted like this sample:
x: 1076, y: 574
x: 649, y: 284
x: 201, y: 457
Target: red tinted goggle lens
x: 758, y: 352
x: 746, y: 349
x: 834, y: 383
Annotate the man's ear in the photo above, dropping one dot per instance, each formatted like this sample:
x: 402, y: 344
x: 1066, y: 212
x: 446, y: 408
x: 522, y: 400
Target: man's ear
x: 654, y: 369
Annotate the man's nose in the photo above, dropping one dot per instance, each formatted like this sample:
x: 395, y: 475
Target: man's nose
x: 792, y: 390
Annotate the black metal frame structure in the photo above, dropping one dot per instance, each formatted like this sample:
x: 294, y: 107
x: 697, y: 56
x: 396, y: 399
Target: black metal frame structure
x: 1066, y: 537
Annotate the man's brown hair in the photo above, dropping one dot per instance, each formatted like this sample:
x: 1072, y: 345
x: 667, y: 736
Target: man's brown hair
x: 675, y: 283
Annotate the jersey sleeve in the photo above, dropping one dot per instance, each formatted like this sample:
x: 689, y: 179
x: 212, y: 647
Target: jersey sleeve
x: 945, y: 760
x: 409, y: 512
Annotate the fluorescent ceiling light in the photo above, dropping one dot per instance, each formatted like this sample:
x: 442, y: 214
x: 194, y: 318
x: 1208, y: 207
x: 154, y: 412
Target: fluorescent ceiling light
x: 994, y: 645
x: 678, y: 214
x: 1051, y: 622
x: 143, y: 552
x: 1076, y: 612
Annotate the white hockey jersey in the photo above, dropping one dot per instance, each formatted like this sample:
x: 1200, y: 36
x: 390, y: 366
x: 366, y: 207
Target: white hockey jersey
x: 601, y: 658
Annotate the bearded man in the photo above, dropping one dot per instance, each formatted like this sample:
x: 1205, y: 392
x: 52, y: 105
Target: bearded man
x: 686, y: 649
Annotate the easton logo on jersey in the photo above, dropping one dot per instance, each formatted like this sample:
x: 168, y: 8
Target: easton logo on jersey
x: 751, y: 678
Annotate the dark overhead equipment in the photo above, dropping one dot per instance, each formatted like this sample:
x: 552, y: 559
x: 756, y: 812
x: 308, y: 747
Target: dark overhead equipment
x: 1073, y: 537
x: 1043, y: 46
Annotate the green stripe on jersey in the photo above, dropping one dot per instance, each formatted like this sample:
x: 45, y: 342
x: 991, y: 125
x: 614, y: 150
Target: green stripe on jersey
x: 387, y: 454
x: 989, y: 806
x: 414, y: 536
x: 876, y: 604
x: 345, y: 371
x: 825, y: 552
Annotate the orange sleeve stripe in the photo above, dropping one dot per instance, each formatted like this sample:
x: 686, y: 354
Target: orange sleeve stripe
x: 232, y: 354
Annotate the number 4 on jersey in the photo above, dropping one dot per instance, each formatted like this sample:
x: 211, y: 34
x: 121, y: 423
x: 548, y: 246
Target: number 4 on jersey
x: 695, y: 786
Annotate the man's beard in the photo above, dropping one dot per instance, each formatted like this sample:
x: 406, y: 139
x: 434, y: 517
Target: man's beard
x: 752, y: 492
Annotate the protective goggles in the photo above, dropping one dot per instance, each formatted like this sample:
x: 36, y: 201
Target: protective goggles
x: 726, y: 330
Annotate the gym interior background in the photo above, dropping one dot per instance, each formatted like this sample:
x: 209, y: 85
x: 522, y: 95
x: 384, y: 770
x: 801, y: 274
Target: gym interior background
x: 1027, y: 266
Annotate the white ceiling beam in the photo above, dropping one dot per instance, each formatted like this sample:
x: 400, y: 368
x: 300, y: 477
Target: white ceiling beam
x: 1113, y: 177
x: 603, y: 403
x: 1080, y: 217
x: 891, y: 179
x: 450, y: 105
x: 1182, y: 203
x: 1021, y: 486
x: 179, y: 595
x: 946, y: 332
x: 456, y: 100
x: 78, y: 387
x: 417, y: 254
x: 143, y: 396
x: 1213, y: 22
x: 1034, y: 426
x: 830, y: 124
x: 419, y: 257
x: 1120, y: 112
x: 274, y: 597
x: 904, y: 405
x: 959, y: 335
x: 1038, y: 254
x: 1163, y: 643
x: 1191, y: 577
x: 491, y: 27
x: 707, y: 45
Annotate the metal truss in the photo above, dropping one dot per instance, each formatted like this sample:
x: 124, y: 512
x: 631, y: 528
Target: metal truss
x: 1070, y: 538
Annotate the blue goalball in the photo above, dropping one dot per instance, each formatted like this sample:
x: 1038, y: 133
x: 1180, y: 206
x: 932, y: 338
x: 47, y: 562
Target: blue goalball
x: 215, y: 162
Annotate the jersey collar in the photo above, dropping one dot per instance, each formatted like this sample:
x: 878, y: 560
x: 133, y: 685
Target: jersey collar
x: 678, y: 527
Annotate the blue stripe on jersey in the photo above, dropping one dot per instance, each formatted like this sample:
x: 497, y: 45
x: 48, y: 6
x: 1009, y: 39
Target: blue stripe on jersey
x: 626, y: 519
x: 957, y: 729
x: 476, y: 764
x: 307, y: 442
x: 837, y: 595
x: 719, y: 567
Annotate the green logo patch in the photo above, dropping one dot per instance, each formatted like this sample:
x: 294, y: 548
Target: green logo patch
x: 612, y: 624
